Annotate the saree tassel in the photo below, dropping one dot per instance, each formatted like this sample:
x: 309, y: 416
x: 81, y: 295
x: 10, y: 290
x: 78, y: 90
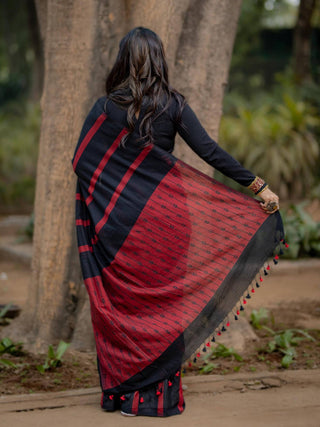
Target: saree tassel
x: 248, y: 296
x: 195, y: 360
x: 141, y: 399
x: 241, y: 308
x: 257, y: 285
x: 236, y: 317
x: 213, y: 339
x: 122, y: 398
x: 204, y: 349
x: 265, y: 272
x: 286, y: 245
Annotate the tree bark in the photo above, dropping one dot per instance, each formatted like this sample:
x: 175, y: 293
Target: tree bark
x: 81, y: 41
x: 302, y: 41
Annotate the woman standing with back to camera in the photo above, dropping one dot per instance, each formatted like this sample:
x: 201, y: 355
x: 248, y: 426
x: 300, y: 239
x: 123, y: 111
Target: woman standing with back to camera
x: 167, y: 253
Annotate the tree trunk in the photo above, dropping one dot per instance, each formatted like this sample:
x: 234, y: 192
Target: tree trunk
x: 302, y: 41
x: 81, y: 41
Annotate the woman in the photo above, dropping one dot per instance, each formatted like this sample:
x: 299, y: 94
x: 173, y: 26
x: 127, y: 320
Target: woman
x: 166, y: 252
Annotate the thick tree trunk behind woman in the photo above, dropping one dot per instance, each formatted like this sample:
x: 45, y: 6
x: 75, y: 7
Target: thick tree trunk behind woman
x: 80, y: 42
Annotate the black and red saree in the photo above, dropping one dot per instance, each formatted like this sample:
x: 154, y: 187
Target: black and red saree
x: 168, y: 257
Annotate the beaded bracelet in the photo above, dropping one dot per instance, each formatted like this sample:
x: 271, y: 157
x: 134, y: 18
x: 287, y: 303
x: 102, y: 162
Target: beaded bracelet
x: 258, y: 185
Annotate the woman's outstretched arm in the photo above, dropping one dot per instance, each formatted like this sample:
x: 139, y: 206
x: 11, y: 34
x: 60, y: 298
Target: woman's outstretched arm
x: 191, y: 130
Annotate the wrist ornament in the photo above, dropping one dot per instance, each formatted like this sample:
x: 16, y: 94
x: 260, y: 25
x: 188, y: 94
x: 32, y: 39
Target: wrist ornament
x: 258, y: 185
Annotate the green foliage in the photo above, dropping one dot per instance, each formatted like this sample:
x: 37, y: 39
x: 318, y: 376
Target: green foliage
x: 3, y: 312
x: 277, y: 142
x: 29, y: 229
x: 26, y: 233
x: 9, y: 347
x: 222, y: 351
x: 54, y: 358
x: 219, y: 351
x: 19, y: 135
x: 16, y: 49
x: 302, y: 232
x: 284, y: 341
x: 259, y: 318
x: 207, y: 368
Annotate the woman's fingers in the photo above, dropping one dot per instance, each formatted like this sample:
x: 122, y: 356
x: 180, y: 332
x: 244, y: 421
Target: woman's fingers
x: 270, y: 207
x: 270, y: 202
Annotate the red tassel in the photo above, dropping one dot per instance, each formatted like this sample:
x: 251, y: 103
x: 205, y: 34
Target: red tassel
x: 169, y: 383
x: 208, y: 344
x: 268, y: 267
x: 158, y: 393
x: 122, y: 398
x: 276, y: 257
x: 252, y: 290
x: 228, y: 323
x: 261, y: 279
x: 198, y: 354
x: 238, y: 312
x: 190, y: 364
x: 141, y: 400
x: 219, y: 333
x: 178, y: 373
x: 111, y: 397
x: 244, y: 301
x: 286, y: 245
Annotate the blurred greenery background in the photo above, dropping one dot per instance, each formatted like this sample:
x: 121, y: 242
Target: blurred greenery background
x: 271, y: 120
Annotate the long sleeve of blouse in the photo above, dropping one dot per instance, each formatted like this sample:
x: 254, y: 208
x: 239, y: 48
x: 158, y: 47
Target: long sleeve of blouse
x: 191, y: 130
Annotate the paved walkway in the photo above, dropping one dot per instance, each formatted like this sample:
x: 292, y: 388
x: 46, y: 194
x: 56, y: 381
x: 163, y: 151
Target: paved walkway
x: 279, y: 399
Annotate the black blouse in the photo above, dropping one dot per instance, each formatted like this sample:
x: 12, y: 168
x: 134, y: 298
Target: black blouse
x: 190, y: 129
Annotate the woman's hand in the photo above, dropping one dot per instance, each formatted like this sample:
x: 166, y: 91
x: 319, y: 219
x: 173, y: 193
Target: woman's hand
x: 270, y: 202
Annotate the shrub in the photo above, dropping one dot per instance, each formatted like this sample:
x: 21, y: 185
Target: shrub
x: 19, y: 135
x: 277, y: 142
x: 302, y: 232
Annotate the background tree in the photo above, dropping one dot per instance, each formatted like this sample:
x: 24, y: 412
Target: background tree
x: 302, y: 41
x: 80, y: 40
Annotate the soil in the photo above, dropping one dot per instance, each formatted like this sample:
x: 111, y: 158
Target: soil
x: 77, y: 370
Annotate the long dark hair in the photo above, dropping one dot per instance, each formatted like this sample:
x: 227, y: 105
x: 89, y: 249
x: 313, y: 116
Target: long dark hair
x: 140, y: 76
